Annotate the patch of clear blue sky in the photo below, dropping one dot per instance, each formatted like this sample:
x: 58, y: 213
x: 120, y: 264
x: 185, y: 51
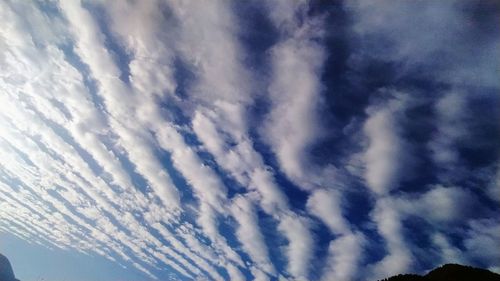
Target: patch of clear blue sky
x: 32, y: 262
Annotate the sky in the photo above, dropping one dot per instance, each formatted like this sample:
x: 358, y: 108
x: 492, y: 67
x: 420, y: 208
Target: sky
x: 248, y: 140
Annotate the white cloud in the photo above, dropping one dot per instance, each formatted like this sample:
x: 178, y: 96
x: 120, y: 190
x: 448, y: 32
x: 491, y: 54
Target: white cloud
x: 292, y: 125
x: 482, y: 240
x: 119, y: 101
x: 327, y: 205
x: 300, y: 246
x: 344, y: 257
x: 207, y: 41
x: 222, y: 85
x: 451, y: 129
x: 449, y: 253
x: 249, y: 234
x: 440, y: 38
x: 399, y: 257
x: 255, y: 176
x: 234, y: 273
x: 386, y: 154
x: 448, y: 204
x: 103, y: 194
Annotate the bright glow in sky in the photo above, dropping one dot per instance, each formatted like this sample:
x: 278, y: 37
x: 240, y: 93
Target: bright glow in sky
x: 248, y: 140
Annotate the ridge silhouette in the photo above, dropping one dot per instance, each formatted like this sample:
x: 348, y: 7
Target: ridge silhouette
x: 449, y: 272
x: 6, y: 272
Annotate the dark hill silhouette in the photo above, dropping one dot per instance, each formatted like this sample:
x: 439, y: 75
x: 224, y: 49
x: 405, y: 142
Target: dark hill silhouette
x: 6, y: 272
x: 450, y: 272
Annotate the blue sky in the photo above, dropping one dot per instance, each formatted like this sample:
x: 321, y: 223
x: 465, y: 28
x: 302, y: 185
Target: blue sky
x: 257, y: 140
